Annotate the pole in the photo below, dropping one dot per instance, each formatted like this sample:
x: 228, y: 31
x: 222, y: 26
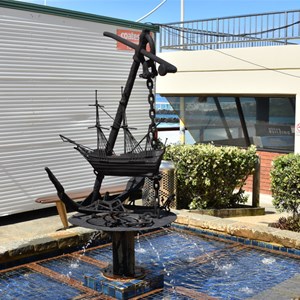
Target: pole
x: 182, y: 108
x: 182, y: 10
x: 123, y: 253
x: 181, y: 121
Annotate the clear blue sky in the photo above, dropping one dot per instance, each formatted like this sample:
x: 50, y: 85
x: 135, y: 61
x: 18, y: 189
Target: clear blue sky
x: 170, y: 10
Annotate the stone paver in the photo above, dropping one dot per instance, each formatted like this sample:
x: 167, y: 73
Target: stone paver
x: 46, y: 234
x: 232, y: 226
x: 38, y: 236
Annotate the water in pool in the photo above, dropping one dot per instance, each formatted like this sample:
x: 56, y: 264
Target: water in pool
x: 194, y: 268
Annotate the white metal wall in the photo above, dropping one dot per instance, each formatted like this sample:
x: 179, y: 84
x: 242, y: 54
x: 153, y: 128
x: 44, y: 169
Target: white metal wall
x: 49, y: 69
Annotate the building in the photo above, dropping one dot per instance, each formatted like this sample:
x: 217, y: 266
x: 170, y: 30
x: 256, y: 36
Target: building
x: 238, y: 81
x: 52, y: 61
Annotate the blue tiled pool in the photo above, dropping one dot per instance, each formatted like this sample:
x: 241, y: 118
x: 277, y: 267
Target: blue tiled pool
x: 195, y: 268
x: 24, y: 283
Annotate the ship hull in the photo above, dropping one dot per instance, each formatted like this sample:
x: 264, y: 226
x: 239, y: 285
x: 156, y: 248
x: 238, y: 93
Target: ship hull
x: 145, y: 163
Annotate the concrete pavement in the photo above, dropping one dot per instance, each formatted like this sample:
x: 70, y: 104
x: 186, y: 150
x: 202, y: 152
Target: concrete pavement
x: 43, y: 234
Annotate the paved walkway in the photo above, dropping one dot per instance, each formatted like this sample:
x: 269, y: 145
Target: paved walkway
x: 271, y: 215
x: 42, y: 234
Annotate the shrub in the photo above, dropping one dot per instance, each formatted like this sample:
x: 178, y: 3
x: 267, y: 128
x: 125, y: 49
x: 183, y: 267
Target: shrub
x: 208, y: 175
x: 288, y: 223
x: 285, y: 183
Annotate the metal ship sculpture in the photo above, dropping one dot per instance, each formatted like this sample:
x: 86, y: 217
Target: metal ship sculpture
x: 134, y: 161
x: 138, y: 162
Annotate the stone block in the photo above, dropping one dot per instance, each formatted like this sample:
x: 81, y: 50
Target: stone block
x: 4, y: 254
x: 68, y: 242
x: 287, y: 238
x: 44, y: 245
x: 22, y: 251
x: 182, y: 219
x: 250, y: 231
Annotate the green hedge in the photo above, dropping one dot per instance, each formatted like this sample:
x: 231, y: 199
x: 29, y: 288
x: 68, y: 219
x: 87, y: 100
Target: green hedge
x: 208, y: 175
x: 285, y: 183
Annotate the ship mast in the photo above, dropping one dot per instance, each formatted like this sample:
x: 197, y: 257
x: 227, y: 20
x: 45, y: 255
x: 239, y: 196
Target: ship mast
x: 97, y: 120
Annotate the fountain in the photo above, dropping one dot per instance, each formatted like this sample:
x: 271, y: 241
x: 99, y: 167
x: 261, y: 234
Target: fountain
x: 112, y: 214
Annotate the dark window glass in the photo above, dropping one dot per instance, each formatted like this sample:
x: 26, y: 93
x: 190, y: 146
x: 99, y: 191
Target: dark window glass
x: 267, y: 122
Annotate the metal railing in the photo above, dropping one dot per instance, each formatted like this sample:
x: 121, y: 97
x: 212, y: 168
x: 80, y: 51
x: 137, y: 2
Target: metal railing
x: 255, y: 30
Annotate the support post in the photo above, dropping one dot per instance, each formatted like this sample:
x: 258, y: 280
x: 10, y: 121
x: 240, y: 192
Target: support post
x: 181, y: 121
x: 123, y: 253
x: 61, y: 208
x: 223, y: 118
x: 256, y: 184
x: 242, y: 120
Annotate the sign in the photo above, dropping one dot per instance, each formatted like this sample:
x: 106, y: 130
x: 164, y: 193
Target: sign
x: 273, y: 130
x: 130, y: 35
x: 297, y: 129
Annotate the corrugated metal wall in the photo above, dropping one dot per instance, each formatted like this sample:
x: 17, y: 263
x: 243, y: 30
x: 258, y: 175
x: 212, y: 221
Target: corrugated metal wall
x: 50, y: 67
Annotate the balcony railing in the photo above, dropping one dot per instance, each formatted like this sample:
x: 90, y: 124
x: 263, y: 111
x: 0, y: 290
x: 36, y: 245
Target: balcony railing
x: 255, y: 30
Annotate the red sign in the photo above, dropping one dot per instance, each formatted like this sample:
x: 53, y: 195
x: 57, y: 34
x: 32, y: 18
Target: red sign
x: 130, y: 35
x: 298, y: 128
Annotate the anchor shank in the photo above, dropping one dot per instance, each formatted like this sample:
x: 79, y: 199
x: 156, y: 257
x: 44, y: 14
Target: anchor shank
x: 137, y: 59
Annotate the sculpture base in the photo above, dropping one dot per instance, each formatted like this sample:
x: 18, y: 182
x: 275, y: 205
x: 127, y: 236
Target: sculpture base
x: 139, y: 273
x: 123, y: 288
x: 122, y: 280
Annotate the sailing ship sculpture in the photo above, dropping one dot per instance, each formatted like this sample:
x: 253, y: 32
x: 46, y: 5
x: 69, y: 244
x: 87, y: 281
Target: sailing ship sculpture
x: 136, y: 161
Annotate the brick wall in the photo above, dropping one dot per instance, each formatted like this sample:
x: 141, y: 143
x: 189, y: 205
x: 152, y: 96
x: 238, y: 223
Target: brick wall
x: 266, y: 159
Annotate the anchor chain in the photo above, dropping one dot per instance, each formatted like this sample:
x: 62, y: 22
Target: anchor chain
x: 153, y: 142
x: 156, y: 186
x: 152, y: 114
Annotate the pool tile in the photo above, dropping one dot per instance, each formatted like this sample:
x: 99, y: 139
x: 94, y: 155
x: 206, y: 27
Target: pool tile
x: 125, y: 290
x: 297, y: 252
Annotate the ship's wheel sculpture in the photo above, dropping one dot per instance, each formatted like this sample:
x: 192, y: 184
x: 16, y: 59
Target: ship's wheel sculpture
x: 110, y: 213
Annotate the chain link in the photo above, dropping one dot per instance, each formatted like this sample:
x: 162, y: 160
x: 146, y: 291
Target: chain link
x: 156, y: 186
x: 152, y: 115
x: 153, y: 139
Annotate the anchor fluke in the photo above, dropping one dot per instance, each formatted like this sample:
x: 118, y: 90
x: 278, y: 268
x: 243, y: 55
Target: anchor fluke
x: 61, y: 192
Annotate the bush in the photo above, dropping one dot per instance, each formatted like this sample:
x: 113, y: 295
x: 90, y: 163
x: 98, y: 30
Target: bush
x: 285, y: 183
x: 288, y: 223
x: 208, y: 175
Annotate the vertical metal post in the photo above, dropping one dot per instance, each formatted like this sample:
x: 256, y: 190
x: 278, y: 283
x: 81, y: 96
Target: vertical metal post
x: 256, y: 184
x: 181, y: 121
x: 286, y: 27
x: 182, y: 25
x: 223, y: 119
x: 218, y: 33
x: 242, y: 120
x: 123, y: 253
x: 181, y: 10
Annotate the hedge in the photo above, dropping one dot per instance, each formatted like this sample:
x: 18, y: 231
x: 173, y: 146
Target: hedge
x: 207, y: 176
x: 285, y: 183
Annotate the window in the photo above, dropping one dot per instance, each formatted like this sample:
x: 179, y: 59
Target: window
x: 267, y: 122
